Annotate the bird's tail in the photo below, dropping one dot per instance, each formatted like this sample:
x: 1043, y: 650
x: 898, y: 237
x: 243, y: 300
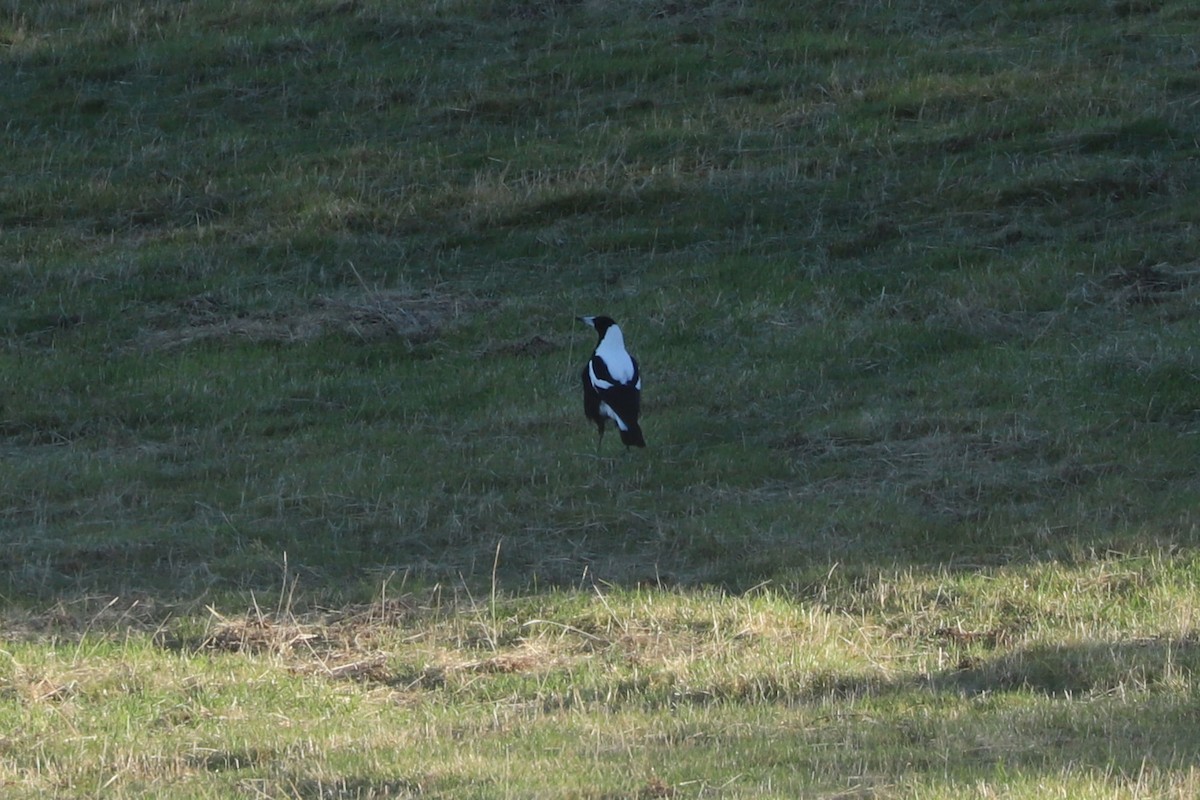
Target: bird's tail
x: 633, y: 436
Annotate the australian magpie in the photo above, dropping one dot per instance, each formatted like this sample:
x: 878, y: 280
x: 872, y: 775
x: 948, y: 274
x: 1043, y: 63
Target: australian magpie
x: 612, y: 384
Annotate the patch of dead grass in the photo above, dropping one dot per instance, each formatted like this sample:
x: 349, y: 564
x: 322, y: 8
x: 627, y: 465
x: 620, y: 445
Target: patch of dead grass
x: 1140, y: 285
x: 367, y: 316
x: 533, y: 346
x: 72, y: 619
x: 362, y: 644
x: 1148, y: 284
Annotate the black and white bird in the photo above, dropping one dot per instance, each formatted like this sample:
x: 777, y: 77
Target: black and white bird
x: 612, y: 384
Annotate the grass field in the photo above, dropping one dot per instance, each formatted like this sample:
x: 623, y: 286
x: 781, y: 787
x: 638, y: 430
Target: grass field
x: 297, y: 499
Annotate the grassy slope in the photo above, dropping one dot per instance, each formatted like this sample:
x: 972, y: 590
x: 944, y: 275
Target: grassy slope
x: 286, y: 300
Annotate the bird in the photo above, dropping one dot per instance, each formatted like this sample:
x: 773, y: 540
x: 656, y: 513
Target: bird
x: 612, y: 384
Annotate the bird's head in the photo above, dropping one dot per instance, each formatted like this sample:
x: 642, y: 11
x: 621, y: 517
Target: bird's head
x: 601, y: 324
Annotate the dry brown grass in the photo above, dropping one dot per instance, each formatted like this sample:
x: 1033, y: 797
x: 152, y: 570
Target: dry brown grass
x: 369, y: 315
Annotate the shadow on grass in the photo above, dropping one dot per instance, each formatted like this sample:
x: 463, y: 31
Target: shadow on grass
x: 1087, y: 711
x: 732, y: 549
x: 1108, y: 708
x: 1104, y: 710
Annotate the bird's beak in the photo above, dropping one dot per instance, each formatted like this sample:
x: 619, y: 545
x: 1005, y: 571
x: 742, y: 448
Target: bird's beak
x: 589, y: 321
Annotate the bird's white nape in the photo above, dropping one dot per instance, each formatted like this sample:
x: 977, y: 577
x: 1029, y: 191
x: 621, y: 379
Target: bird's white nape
x: 612, y: 351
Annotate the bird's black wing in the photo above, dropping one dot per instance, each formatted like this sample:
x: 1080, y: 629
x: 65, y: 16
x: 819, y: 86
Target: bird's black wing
x: 601, y: 371
x: 591, y: 400
x: 622, y: 397
x: 624, y: 400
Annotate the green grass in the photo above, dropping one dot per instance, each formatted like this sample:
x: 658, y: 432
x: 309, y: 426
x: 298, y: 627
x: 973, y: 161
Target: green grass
x: 297, y: 499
